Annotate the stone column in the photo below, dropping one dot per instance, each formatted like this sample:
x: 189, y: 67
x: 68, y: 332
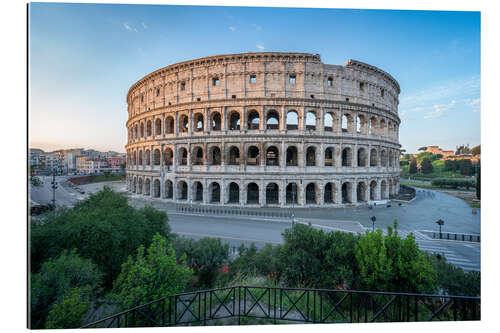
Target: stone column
x: 282, y: 194
x: 207, y: 120
x: 338, y: 192
x: 283, y: 119
x: 223, y: 194
x: 321, y: 157
x: 205, y: 191
x: 378, y: 190
x: 163, y: 122
x: 241, y: 188
x: 151, y: 187
x: 153, y: 127
x: 320, y: 193
x: 320, y: 121
x: 262, y: 193
x: 301, y: 194
x: 151, y: 162
x: 190, y: 122
x: 354, y: 186
x: 189, y: 182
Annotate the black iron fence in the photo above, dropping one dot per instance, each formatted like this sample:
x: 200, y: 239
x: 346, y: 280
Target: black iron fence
x: 214, y: 210
x: 246, y: 304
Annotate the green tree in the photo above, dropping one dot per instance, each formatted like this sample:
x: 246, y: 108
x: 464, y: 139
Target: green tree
x: 103, y: 228
x: 123, y: 165
x: 56, y: 279
x: 426, y: 166
x: 453, y: 280
x: 152, y: 274
x: 413, y: 166
x: 478, y: 183
x: 422, y: 149
x: 205, y: 256
x: 106, y: 173
x: 423, y: 155
x: 392, y: 263
x: 476, y: 150
x: 71, y: 310
x: 313, y: 258
x: 465, y: 167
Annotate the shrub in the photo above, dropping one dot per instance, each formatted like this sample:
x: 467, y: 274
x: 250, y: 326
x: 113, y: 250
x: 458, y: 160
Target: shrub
x: 313, y: 258
x: 206, y: 256
x: 453, y: 182
x: 71, y: 310
x: 56, y: 279
x: 391, y: 263
x: 465, y: 167
x: 453, y: 280
x: 152, y: 274
x: 413, y: 166
x: 103, y: 228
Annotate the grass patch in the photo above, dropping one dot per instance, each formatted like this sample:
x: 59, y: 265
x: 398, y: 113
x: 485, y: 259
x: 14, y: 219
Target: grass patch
x: 109, y: 178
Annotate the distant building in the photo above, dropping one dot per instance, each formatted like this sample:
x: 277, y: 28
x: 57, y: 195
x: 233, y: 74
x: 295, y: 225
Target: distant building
x: 436, y: 150
x: 91, y: 165
x: 115, y: 162
x: 70, y: 158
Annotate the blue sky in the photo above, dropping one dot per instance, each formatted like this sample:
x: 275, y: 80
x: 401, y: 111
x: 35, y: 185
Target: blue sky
x: 84, y: 58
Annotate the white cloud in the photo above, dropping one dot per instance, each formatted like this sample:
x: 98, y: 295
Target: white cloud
x: 439, y: 109
x: 144, y: 25
x: 129, y: 27
x: 260, y: 47
x: 232, y: 28
x: 475, y: 104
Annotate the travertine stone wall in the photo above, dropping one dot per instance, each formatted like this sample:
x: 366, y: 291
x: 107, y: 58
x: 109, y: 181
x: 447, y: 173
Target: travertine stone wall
x: 264, y: 129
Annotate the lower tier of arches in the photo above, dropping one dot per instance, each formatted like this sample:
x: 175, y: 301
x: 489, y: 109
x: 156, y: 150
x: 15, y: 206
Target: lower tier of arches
x: 266, y: 192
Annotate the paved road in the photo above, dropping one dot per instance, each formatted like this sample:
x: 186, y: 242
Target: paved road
x: 420, y: 214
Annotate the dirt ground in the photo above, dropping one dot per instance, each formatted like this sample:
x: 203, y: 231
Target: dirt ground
x: 469, y: 197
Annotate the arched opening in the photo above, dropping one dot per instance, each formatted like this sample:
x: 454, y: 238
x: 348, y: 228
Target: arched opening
x: 140, y: 187
x: 156, y: 157
x: 372, y: 126
x: 215, y: 158
x: 346, y: 157
x: 361, y: 192
x: 197, y: 156
x: 383, y: 189
x: 291, y: 156
x: 169, y: 189
x: 253, y: 120
x: 216, y: 121
x: 291, y: 193
x: 140, y: 157
x: 252, y: 193
x: 346, y: 193
x: 292, y: 120
x: 373, y: 157
x: 345, y: 123
x: 198, y: 121
x: 311, y: 193
x: 272, y: 156
x: 168, y: 156
x: 170, y: 125
x: 134, y: 158
x: 182, y: 190
x: 234, y: 121
x: 214, y: 192
x: 329, y: 195
x: 373, y: 189
x: 253, y: 156
x: 310, y: 121
x: 147, y: 185
x: 383, y: 158
x: 136, y: 132
x: 391, y: 158
x: 273, y: 120
x: 234, y: 156
x: 329, y: 156
x: 272, y: 194
x: 142, y: 130
x: 311, y: 156
x: 149, y: 129
x: 328, y: 127
x: 148, y: 157
x: 360, y: 124
x: 382, y: 127
x: 158, y: 126
x: 156, y: 188
x: 183, y: 156
x: 183, y: 124
x: 234, y: 193
x: 362, y: 157
x: 198, y: 191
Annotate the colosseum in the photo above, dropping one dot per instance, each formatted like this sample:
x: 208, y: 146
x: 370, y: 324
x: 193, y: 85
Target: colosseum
x: 265, y: 129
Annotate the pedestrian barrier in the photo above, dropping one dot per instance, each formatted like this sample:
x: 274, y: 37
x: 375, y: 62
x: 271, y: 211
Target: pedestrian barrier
x: 207, y: 210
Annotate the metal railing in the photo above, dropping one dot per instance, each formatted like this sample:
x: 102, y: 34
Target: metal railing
x: 216, y: 210
x: 242, y: 304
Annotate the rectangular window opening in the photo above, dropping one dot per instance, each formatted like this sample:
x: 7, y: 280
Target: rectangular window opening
x: 253, y: 79
x: 292, y: 79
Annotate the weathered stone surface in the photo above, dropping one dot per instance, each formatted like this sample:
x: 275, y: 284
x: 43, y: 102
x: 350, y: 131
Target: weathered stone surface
x: 274, y: 120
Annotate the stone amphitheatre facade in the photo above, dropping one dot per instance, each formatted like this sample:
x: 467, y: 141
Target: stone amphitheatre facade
x: 264, y: 129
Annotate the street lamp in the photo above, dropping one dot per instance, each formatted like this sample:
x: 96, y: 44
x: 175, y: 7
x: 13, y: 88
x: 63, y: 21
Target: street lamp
x: 440, y: 223
x: 373, y: 218
x: 54, y: 187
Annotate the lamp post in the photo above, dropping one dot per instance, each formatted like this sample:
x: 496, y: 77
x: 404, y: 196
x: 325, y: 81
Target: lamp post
x: 440, y: 223
x: 373, y: 218
x: 54, y: 187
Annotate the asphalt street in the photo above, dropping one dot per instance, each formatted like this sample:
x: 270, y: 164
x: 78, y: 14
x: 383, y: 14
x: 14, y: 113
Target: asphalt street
x: 416, y: 216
